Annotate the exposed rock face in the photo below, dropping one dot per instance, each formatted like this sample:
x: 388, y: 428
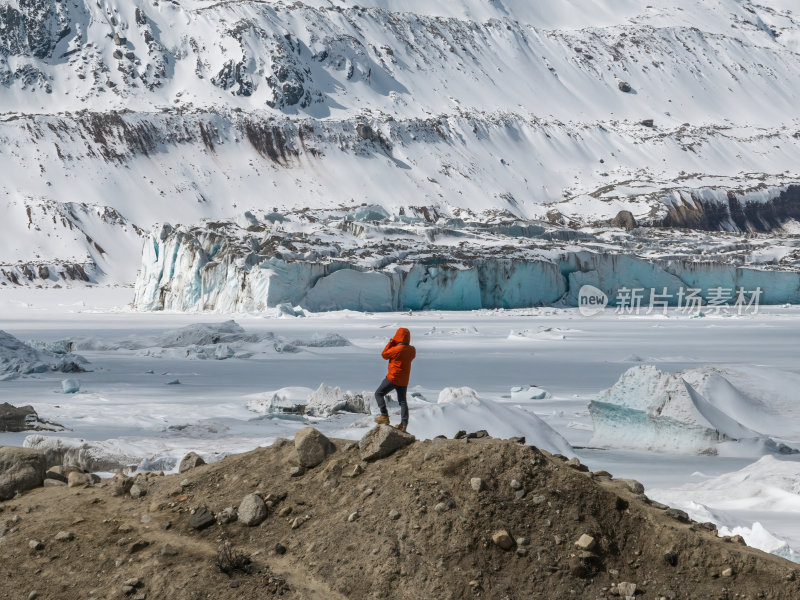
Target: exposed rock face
x: 14, y: 418
x: 21, y: 469
x: 382, y: 441
x: 624, y: 219
x: 312, y: 447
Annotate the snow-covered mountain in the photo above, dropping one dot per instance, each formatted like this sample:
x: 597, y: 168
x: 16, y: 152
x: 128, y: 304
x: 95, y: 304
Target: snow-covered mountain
x: 115, y: 116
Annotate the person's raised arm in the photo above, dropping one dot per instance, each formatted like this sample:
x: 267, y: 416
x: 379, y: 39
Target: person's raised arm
x: 390, y: 350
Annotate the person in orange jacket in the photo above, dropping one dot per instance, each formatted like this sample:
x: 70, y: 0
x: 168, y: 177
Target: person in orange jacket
x: 399, y: 353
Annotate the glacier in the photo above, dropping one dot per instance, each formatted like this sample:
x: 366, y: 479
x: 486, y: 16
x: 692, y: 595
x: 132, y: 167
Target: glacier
x: 117, y: 117
x: 392, y: 264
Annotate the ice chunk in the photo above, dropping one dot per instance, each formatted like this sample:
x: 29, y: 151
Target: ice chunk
x: 528, y: 392
x: 202, y: 334
x: 89, y: 456
x: 18, y: 358
x: 288, y: 400
x: 462, y: 408
x: 327, y: 400
x: 322, y: 340
x: 70, y: 386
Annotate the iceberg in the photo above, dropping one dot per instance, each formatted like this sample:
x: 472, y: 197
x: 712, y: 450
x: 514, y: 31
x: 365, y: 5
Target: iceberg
x: 697, y: 411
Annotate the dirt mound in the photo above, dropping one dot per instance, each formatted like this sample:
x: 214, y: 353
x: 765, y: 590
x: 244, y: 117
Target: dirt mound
x: 467, y: 518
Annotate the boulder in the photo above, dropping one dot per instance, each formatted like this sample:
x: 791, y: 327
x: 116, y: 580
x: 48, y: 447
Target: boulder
x: 78, y: 479
x: 190, y: 461
x: 58, y: 473
x: 312, y: 447
x: 252, y: 510
x: 21, y: 469
x: 13, y: 418
x: 624, y: 220
x: 382, y: 441
x: 625, y: 87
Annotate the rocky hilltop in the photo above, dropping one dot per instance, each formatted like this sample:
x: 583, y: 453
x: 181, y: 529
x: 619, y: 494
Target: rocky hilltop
x: 116, y: 116
x: 387, y: 517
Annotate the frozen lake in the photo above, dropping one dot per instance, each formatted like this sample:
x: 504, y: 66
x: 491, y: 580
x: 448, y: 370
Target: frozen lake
x: 126, y: 405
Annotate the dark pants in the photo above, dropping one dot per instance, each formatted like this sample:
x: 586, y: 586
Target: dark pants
x: 384, y: 388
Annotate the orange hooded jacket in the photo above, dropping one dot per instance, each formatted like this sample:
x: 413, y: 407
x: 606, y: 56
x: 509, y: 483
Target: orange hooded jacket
x: 399, y: 354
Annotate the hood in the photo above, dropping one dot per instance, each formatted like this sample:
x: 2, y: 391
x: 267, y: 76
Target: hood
x: 403, y: 336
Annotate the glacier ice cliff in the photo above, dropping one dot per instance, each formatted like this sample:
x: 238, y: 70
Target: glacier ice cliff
x: 339, y: 263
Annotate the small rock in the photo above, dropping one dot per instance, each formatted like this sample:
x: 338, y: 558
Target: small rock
x: 367, y: 493
x: 353, y: 516
x: 33, y: 595
x: 441, y: 507
x: 585, y: 542
x: 357, y: 470
x: 477, y: 484
x: 167, y: 550
x: 727, y: 572
x: 460, y: 435
x: 297, y: 472
x: 190, y: 461
x: 482, y: 433
x: 138, y: 546
x: 515, y: 485
x: 65, y: 536
x: 671, y: 559
x: 519, y: 494
x: 280, y: 549
x: 53, y: 483
x: 522, y: 552
x: 625, y: 87
x: 128, y: 589
x: 35, y: 545
x: 252, y: 510
x: 133, y: 582
x: 394, y: 515
x: 626, y: 589
x: 298, y: 521
x: 502, y: 539
x: 227, y: 515
x: 201, y: 519
x: 285, y: 511
x: 536, y: 500
x: 137, y: 491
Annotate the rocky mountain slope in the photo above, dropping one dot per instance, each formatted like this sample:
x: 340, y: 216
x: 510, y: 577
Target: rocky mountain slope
x: 465, y: 518
x: 116, y: 116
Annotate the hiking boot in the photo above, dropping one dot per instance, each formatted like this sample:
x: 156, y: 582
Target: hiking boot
x: 401, y: 427
x: 382, y: 420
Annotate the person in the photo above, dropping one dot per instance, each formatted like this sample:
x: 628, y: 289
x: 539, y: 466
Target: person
x: 399, y: 353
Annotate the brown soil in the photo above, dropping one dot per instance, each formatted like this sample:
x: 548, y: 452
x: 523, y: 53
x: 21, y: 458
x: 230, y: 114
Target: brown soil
x: 440, y: 546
